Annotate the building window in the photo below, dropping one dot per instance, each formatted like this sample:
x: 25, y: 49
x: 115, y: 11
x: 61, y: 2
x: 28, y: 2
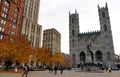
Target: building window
x: 1, y: 37
x: 3, y: 22
x: 2, y: 29
x: 108, y: 56
x: 8, y: 32
x: 11, y: 39
x: 82, y: 57
x: 105, y: 27
x: 15, y: 15
x: 107, y: 41
x: 5, y: 9
x: 7, y: 3
x: 103, y: 14
x: 17, y: 9
x: 14, y: 21
x: 4, y: 15
x: 72, y: 20
x: 13, y: 27
x: 98, y: 56
x: 13, y: 33
x: 74, y: 57
x: 73, y: 43
x: 73, y: 32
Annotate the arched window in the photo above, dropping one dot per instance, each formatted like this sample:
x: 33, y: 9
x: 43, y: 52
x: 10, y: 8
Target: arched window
x: 73, y: 44
x: 98, y: 56
x: 107, y: 41
x: 17, y: 9
x: 73, y: 32
x: 105, y: 27
x: 72, y: 20
x: 73, y: 57
x: 108, y: 56
x: 103, y: 14
x: 7, y: 3
x: 82, y: 57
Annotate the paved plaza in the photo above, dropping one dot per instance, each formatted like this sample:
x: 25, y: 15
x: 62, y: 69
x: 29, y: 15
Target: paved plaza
x: 66, y: 73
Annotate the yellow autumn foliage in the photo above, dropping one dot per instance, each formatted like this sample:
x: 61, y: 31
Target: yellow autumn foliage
x: 16, y: 50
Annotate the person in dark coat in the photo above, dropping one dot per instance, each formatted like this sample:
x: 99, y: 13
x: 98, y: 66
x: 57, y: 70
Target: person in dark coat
x: 61, y: 69
x: 55, y: 70
x: 50, y: 69
x: 26, y: 70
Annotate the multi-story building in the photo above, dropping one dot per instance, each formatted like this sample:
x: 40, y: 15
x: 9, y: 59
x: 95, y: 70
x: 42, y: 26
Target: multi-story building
x: 97, y: 46
x: 52, y: 40
x: 30, y: 27
x: 11, y: 12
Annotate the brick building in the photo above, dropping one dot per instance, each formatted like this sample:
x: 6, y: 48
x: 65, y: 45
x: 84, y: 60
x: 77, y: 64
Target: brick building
x: 11, y: 13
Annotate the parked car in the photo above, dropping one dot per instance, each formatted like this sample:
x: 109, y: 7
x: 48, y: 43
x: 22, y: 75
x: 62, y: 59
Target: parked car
x: 116, y: 69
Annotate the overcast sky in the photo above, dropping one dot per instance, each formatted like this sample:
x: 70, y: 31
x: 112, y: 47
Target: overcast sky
x: 55, y: 14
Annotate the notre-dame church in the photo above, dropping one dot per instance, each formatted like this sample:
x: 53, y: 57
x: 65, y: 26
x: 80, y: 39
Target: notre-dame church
x: 99, y: 43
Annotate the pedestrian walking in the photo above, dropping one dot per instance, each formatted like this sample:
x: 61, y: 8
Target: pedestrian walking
x: 109, y: 68
x: 26, y: 70
x: 55, y: 70
x: 16, y: 68
x: 61, y: 69
x: 50, y: 69
x: 106, y: 69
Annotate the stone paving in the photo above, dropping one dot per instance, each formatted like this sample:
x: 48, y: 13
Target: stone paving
x: 66, y: 73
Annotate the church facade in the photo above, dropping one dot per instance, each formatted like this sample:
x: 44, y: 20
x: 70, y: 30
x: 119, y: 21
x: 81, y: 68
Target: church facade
x: 99, y: 43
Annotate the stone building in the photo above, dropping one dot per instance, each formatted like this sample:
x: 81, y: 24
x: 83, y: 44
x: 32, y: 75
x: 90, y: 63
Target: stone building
x: 99, y: 43
x: 11, y: 12
x: 52, y: 40
x: 30, y: 27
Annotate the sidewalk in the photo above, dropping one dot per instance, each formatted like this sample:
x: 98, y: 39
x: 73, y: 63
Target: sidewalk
x: 66, y: 73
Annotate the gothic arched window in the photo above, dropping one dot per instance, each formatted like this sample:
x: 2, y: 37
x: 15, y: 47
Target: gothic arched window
x: 105, y: 27
x: 98, y: 56
x: 73, y: 57
x: 103, y: 14
x: 73, y: 44
x: 73, y: 32
x: 108, y: 56
x: 107, y: 41
x: 72, y: 20
x: 82, y: 57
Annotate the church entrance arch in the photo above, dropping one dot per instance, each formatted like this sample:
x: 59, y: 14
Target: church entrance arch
x: 82, y: 57
x: 98, y: 56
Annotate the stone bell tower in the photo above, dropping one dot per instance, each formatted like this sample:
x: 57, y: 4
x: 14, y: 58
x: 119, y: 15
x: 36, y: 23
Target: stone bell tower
x: 73, y: 34
x: 106, y: 35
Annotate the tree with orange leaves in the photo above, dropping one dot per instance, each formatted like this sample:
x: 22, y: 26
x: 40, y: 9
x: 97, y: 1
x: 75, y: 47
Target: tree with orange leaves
x: 16, y: 49
x: 42, y: 55
x: 58, y: 58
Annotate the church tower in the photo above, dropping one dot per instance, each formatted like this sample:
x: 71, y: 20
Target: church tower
x: 106, y: 34
x: 73, y: 34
